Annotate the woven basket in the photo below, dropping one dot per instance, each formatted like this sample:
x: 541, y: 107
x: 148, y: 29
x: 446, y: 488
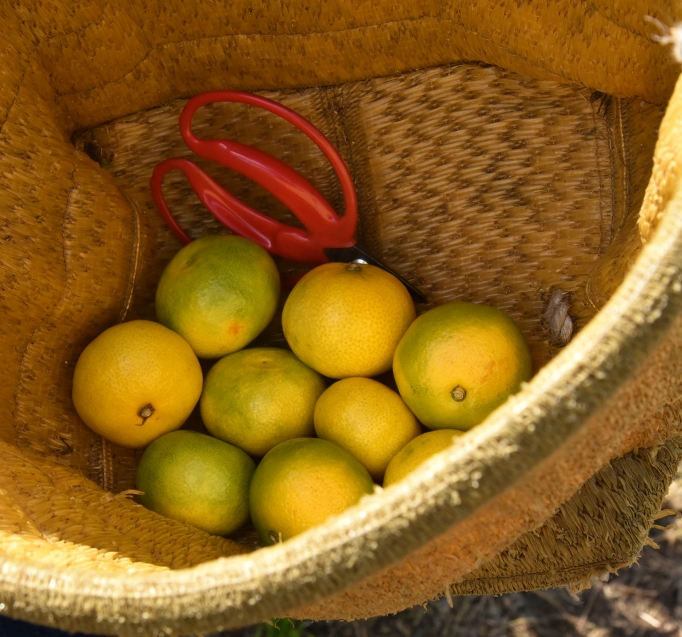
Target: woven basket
x: 516, y: 154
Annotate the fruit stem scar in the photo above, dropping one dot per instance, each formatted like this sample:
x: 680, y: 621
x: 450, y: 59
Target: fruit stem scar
x: 458, y: 394
x: 354, y: 267
x: 276, y: 538
x: 145, y: 413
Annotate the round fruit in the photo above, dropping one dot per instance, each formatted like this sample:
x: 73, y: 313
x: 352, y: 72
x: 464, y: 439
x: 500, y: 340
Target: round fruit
x: 367, y: 419
x: 300, y: 483
x: 196, y: 479
x: 135, y: 382
x: 260, y: 397
x: 458, y: 362
x: 219, y: 292
x: 345, y: 319
x: 417, y: 451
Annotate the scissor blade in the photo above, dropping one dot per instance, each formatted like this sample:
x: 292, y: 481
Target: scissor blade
x: 356, y: 253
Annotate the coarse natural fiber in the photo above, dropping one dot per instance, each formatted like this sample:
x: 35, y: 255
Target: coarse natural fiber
x: 524, y: 155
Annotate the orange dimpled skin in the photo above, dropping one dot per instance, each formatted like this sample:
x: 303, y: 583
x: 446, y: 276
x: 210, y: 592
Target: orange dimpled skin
x: 135, y: 382
x: 367, y: 419
x: 458, y: 362
x: 418, y: 451
x: 302, y: 482
x: 345, y: 319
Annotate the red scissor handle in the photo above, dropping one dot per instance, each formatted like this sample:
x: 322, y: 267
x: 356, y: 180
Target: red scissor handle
x: 325, y: 229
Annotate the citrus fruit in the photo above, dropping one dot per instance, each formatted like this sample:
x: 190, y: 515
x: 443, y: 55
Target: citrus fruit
x: 196, y: 479
x: 300, y: 483
x: 260, y: 397
x: 135, y: 382
x: 367, y: 419
x: 458, y: 362
x: 345, y: 319
x: 219, y: 292
x: 417, y: 451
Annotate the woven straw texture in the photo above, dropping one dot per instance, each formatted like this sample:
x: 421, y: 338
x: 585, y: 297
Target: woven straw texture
x: 501, y: 154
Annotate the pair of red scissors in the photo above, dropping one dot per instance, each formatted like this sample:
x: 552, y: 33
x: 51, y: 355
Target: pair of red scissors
x: 328, y: 237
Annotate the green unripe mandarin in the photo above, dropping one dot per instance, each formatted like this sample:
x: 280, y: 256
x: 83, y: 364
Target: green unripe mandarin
x: 196, y: 479
x: 259, y: 397
x: 219, y: 292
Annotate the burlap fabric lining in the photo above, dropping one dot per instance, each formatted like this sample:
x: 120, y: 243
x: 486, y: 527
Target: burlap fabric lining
x: 496, y: 181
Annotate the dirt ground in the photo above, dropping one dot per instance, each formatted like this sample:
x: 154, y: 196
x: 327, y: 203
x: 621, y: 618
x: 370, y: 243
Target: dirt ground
x: 644, y: 600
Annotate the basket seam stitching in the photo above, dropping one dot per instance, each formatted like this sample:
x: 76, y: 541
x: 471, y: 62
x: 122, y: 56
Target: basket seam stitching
x: 58, y: 305
x: 626, y: 28
x: 36, y: 52
x: 558, y: 76
x: 623, y: 560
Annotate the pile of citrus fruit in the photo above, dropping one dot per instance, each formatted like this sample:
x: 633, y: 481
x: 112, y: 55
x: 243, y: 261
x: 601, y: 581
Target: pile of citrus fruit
x: 295, y: 436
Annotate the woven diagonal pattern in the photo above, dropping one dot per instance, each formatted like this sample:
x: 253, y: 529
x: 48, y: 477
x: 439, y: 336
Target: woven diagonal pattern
x: 619, y: 502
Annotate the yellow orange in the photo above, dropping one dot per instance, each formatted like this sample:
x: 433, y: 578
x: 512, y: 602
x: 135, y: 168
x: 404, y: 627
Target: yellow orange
x: 135, y: 382
x: 458, y: 362
x: 418, y: 451
x: 345, y: 319
x: 367, y: 419
x: 219, y: 292
x: 300, y: 483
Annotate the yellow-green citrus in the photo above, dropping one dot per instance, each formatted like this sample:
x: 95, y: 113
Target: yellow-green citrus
x: 458, y: 362
x: 196, y: 479
x: 417, y: 451
x: 367, y: 419
x: 259, y: 397
x: 219, y: 292
x: 345, y: 319
x: 135, y: 382
x: 300, y: 483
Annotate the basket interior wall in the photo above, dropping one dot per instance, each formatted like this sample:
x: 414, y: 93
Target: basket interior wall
x: 474, y: 182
